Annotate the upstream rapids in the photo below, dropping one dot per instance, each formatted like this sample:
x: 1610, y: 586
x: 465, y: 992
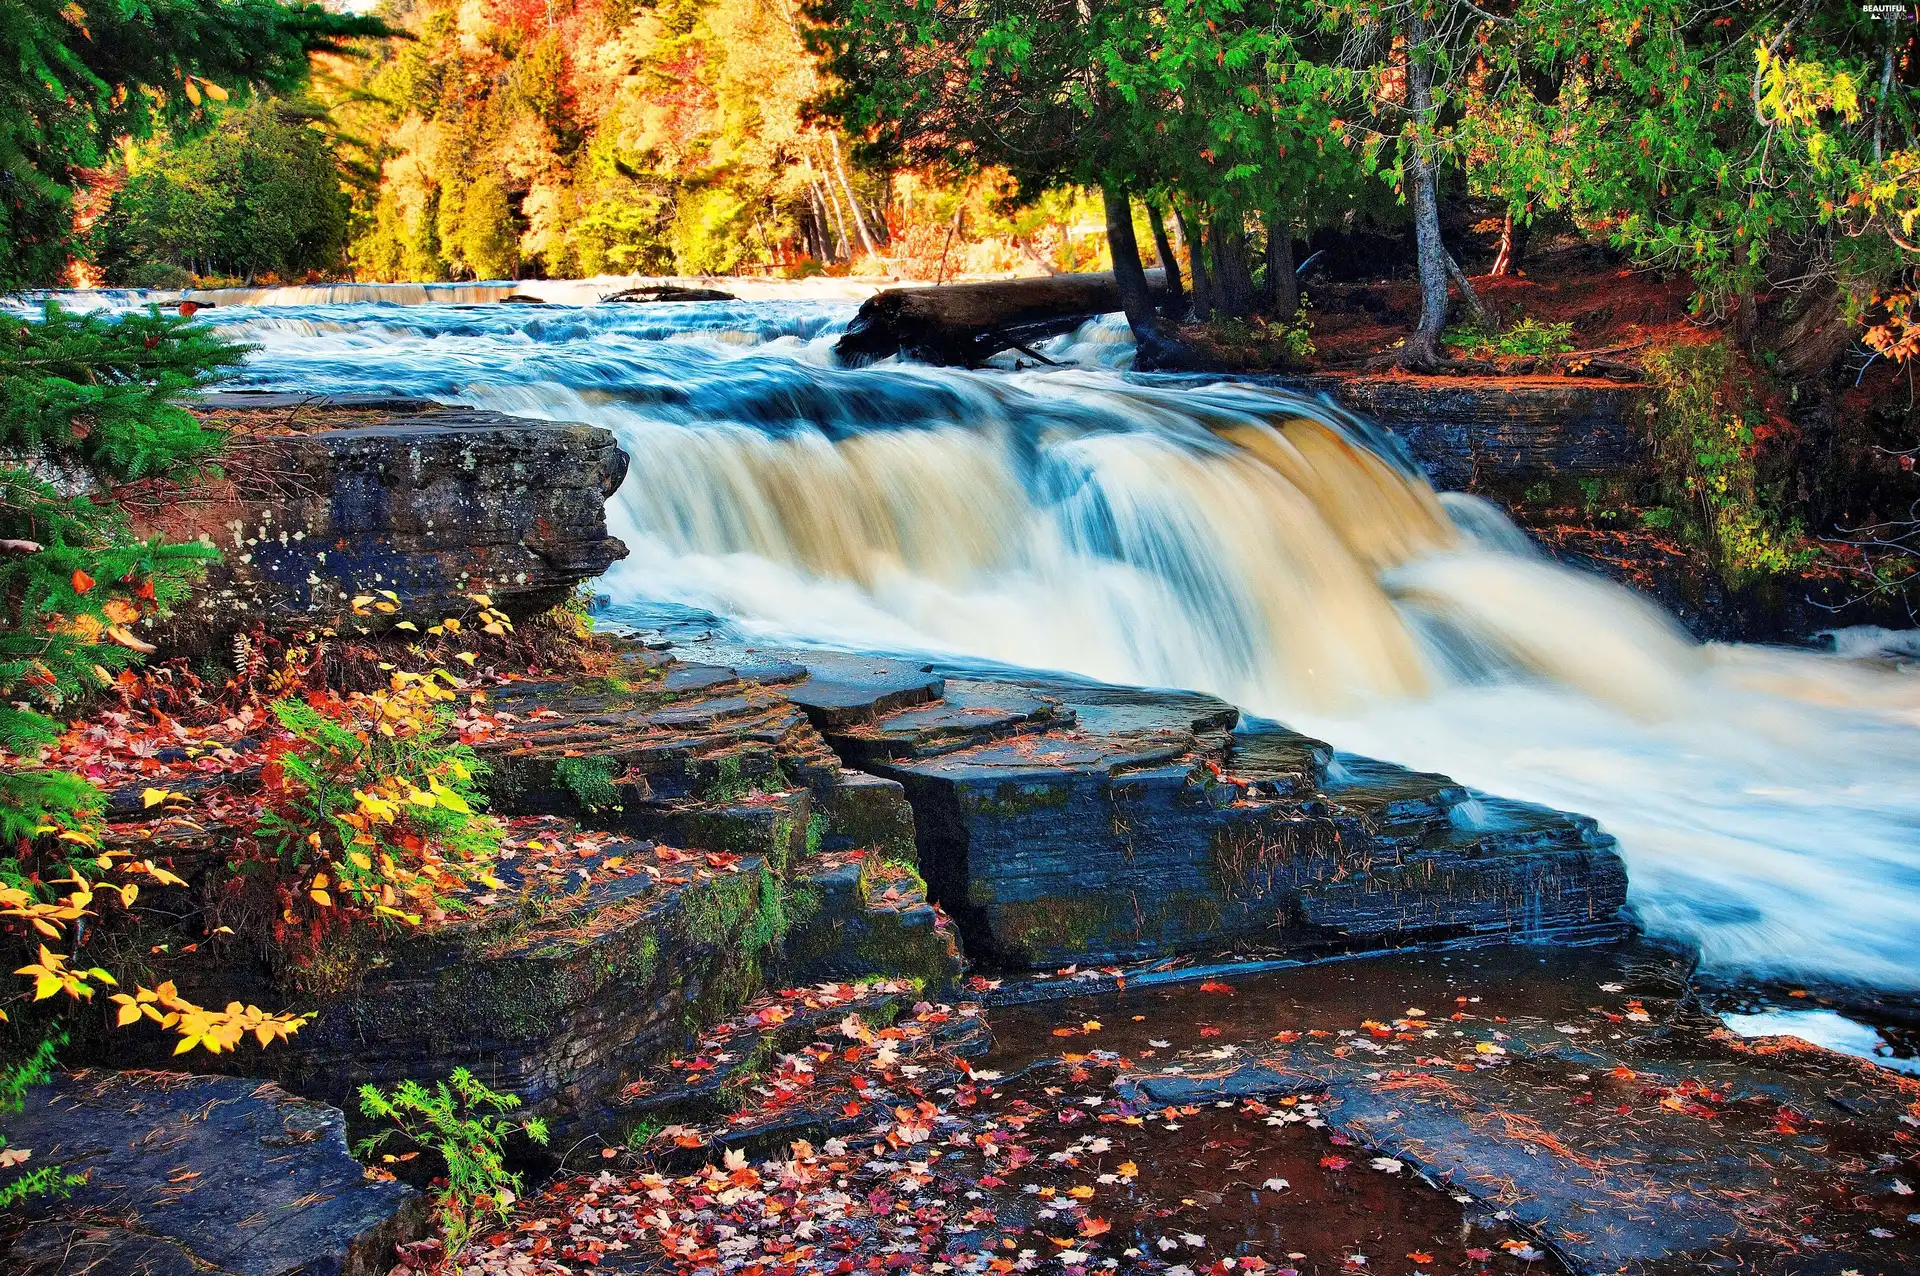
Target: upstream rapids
x: 1226, y: 538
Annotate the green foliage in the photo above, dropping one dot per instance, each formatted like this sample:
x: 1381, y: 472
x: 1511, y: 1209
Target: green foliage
x: 84, y: 399
x: 258, y: 194
x: 1706, y: 140
x: 42, y: 1180
x: 1527, y: 337
x: 371, y: 797
x: 1705, y: 442
x: 98, y: 390
x: 461, y: 1122
x: 74, y: 83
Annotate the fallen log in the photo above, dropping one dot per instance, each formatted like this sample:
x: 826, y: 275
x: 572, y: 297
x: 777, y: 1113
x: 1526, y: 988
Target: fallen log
x: 963, y: 325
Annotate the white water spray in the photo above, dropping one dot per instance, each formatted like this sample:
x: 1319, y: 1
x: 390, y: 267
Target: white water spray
x: 1229, y: 539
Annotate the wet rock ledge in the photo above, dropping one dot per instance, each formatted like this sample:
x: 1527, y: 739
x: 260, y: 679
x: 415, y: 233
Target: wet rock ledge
x: 685, y: 835
x: 195, y: 1174
x: 432, y: 504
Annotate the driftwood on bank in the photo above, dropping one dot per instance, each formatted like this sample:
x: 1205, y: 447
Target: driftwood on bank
x: 963, y: 325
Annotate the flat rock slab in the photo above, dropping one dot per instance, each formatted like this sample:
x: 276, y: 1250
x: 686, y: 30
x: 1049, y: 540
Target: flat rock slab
x: 197, y: 1174
x: 968, y: 713
x: 842, y: 691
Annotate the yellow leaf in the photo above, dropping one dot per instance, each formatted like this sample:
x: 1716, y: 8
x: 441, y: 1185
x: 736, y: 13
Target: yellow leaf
x: 45, y: 986
x: 193, y: 90
x: 129, y: 1013
x: 319, y: 879
x: 361, y: 860
x: 75, y: 835
x: 482, y: 599
x: 186, y: 1044
x: 451, y: 800
x: 321, y: 898
x: 214, y: 91
x: 153, y: 797
x: 407, y: 624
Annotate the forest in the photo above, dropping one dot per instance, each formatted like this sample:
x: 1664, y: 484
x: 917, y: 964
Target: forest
x: 1762, y: 151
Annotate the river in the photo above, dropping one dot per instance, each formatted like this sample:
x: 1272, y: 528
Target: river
x: 1224, y: 538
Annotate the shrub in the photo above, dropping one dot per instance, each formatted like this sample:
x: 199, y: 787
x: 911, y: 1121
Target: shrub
x: 1527, y: 337
x: 460, y: 1122
x: 370, y: 807
x: 1705, y: 442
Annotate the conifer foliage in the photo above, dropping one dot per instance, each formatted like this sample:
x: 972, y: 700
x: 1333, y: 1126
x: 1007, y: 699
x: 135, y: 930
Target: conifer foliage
x: 84, y: 403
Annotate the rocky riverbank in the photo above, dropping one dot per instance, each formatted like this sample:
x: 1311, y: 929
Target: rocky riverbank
x: 784, y: 903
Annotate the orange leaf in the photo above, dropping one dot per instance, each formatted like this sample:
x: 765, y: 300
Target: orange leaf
x: 81, y: 581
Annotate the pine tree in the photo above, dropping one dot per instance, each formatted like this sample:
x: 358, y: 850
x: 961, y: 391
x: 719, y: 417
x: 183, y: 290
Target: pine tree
x: 84, y: 399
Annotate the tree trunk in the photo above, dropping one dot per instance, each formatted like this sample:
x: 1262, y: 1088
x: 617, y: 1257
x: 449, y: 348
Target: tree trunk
x: 1422, y: 348
x: 1175, y: 303
x: 1282, y: 290
x: 1233, y: 281
x: 1481, y: 319
x: 859, y: 222
x: 963, y: 325
x: 1197, y: 256
x: 1149, y: 340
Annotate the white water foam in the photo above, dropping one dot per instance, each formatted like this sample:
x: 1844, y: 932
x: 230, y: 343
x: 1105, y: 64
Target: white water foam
x: 1229, y: 539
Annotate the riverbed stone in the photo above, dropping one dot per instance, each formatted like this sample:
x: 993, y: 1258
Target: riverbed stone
x: 200, y: 1175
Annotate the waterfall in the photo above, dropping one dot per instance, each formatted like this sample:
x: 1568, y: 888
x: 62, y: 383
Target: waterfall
x: 1223, y: 537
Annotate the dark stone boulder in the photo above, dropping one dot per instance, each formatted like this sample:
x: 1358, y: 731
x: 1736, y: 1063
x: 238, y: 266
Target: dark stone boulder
x: 433, y: 506
x: 200, y: 1176
x: 866, y: 916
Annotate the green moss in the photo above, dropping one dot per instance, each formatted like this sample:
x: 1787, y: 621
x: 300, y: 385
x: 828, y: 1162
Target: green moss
x: 727, y: 784
x: 590, y: 780
x: 816, y: 830
x: 1055, y: 926
x: 804, y: 903
x: 1011, y: 800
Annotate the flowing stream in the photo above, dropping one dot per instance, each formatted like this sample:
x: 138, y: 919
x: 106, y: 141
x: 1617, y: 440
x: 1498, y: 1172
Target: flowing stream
x: 1231, y: 539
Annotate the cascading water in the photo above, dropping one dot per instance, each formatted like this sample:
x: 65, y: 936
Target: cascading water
x: 1225, y: 538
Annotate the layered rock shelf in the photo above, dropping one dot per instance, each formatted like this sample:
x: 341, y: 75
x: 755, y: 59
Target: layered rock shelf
x: 1051, y: 844
x: 682, y: 835
x: 431, y: 505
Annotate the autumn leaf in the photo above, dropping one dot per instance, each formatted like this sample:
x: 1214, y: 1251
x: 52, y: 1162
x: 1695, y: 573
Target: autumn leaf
x: 1214, y: 985
x: 81, y: 581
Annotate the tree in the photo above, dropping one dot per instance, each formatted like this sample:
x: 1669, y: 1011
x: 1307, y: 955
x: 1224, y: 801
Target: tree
x: 74, y: 80
x: 258, y: 194
x: 1410, y: 61
x: 1738, y: 145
